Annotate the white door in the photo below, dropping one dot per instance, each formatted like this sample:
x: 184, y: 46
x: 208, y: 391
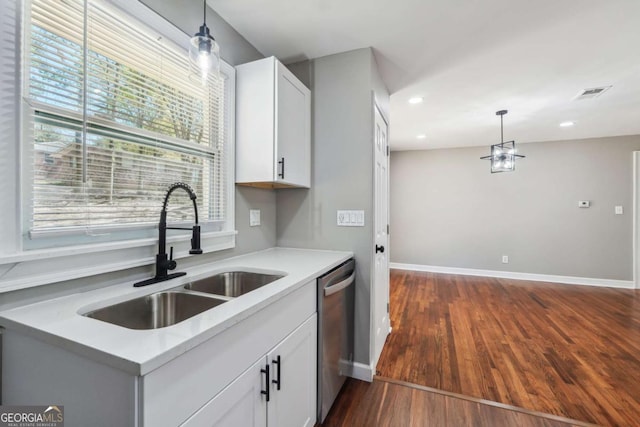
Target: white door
x: 381, y: 324
x: 241, y: 403
x: 294, y: 378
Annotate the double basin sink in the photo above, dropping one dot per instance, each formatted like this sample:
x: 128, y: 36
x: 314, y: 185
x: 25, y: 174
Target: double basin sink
x: 169, y: 307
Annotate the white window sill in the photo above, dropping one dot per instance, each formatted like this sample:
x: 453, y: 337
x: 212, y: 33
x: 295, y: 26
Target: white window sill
x: 40, y: 267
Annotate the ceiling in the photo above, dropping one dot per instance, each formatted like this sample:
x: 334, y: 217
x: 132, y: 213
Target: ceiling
x: 470, y: 58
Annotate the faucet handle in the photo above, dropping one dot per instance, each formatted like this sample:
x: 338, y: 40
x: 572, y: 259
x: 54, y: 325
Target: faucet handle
x: 172, y: 264
x: 195, y: 241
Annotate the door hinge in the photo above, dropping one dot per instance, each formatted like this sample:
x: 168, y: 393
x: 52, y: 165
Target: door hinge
x: 387, y: 307
x: 387, y: 229
x: 388, y: 150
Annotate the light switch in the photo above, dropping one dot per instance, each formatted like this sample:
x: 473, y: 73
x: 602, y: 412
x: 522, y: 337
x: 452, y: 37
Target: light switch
x: 254, y: 217
x: 619, y: 210
x: 584, y: 204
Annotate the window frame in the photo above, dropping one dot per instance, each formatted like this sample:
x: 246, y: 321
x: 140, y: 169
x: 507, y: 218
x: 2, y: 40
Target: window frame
x: 69, y: 258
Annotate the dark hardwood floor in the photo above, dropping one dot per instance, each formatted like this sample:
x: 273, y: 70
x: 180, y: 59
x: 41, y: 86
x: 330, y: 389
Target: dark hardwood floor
x: 571, y: 351
x: 389, y: 403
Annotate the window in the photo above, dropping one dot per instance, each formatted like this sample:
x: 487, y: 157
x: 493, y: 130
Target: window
x: 113, y: 117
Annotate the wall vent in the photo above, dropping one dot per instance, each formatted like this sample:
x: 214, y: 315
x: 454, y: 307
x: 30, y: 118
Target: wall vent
x: 591, y: 92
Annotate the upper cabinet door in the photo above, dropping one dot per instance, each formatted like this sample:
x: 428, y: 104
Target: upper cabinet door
x: 273, y: 126
x: 293, y: 129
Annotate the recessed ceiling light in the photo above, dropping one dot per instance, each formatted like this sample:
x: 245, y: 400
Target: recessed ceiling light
x: 421, y: 136
x: 416, y: 100
x: 566, y: 124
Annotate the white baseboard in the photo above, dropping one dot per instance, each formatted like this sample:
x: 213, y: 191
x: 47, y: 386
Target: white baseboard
x: 569, y: 280
x: 363, y: 372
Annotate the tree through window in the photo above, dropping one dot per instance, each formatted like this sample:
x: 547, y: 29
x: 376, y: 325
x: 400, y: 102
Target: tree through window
x: 115, y: 120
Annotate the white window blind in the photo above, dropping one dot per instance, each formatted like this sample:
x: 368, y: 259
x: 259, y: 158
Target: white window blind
x: 116, y: 117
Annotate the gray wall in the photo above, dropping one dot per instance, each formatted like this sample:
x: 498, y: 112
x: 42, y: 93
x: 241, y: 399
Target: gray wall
x: 448, y: 210
x: 187, y: 15
x: 235, y: 50
x: 342, y: 170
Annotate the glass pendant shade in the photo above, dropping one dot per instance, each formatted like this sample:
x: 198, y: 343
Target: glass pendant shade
x: 204, y: 53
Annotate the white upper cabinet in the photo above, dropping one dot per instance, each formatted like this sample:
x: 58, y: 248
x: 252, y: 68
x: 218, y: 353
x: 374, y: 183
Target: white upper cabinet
x: 273, y: 126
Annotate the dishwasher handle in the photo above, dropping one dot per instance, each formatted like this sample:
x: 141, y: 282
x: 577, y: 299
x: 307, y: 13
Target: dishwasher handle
x: 330, y: 290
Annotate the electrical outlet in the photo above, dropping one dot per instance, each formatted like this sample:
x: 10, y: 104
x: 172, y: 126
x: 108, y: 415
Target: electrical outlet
x: 619, y: 210
x: 254, y: 217
x: 505, y: 259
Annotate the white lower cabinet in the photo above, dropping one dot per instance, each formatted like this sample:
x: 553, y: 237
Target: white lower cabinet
x: 237, y: 405
x: 278, y: 390
x: 218, y: 382
x: 293, y: 367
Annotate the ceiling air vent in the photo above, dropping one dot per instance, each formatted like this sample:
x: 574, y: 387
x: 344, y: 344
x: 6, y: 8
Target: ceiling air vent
x: 591, y: 92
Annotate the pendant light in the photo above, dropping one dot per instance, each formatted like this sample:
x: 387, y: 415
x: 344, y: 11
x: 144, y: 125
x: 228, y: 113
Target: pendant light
x: 204, y: 52
x: 503, y: 156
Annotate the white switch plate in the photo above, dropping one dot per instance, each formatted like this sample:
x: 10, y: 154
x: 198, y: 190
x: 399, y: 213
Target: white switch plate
x: 254, y: 217
x: 505, y: 259
x: 350, y: 218
x: 619, y: 210
x: 584, y: 203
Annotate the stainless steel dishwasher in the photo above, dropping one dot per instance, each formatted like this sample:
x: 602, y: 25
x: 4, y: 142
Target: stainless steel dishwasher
x: 336, y: 291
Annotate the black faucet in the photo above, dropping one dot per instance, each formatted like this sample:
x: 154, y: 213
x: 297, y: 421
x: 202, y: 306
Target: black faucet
x: 164, y: 264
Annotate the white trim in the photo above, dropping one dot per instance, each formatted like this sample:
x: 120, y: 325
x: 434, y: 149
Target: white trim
x: 230, y: 149
x: 636, y: 219
x: 41, y: 267
x: 362, y: 372
x: 569, y: 280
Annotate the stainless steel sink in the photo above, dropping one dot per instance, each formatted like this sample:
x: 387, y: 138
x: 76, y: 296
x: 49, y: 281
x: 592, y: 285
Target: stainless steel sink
x: 156, y: 310
x: 232, y: 283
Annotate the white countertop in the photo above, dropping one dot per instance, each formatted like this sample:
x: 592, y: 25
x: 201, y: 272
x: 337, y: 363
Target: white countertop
x: 138, y: 352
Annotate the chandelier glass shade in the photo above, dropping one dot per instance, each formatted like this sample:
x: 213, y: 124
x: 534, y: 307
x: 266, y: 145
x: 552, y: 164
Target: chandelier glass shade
x: 503, y: 155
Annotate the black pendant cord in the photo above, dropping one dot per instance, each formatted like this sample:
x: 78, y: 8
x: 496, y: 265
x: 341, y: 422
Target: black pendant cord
x: 501, y: 113
x: 205, y: 11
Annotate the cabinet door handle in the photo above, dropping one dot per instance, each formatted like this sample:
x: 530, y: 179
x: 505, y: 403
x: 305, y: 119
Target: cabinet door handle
x: 379, y: 249
x: 281, y: 162
x: 277, y: 380
x: 267, y: 382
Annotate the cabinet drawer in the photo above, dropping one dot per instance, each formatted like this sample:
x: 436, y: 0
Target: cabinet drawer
x: 175, y: 391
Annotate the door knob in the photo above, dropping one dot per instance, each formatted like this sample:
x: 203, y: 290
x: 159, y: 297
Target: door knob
x: 379, y: 249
